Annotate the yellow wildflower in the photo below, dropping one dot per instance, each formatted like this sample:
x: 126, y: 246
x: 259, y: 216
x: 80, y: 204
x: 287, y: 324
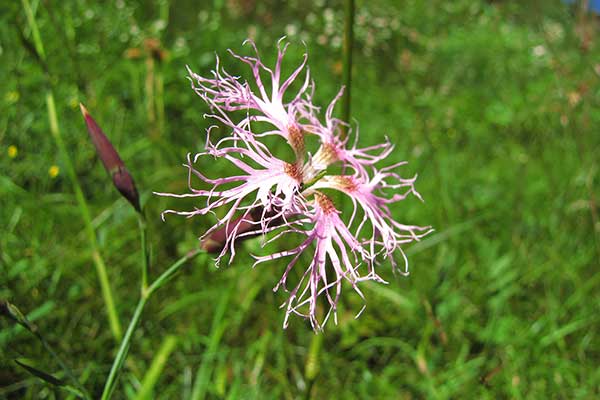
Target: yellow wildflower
x: 53, y: 171
x: 12, y: 151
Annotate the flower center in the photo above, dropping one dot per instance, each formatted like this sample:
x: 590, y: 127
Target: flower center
x: 327, y: 154
x: 325, y: 203
x: 296, y: 139
x: 347, y: 183
x: 294, y: 171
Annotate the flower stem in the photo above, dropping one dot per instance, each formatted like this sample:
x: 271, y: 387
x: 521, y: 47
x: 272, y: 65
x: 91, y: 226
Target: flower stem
x: 347, y: 59
x: 117, y: 365
x: 123, y: 349
x: 168, y: 274
x: 145, y: 256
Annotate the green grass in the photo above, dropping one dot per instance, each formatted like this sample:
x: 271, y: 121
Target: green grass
x: 494, y: 104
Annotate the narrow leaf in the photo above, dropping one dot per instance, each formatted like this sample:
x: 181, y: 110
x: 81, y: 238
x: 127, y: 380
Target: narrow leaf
x: 46, y: 377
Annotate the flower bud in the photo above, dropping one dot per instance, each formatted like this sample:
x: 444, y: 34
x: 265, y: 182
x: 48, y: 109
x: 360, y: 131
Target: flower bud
x: 113, y: 164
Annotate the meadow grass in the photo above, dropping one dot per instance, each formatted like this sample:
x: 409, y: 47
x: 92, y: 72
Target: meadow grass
x: 494, y: 105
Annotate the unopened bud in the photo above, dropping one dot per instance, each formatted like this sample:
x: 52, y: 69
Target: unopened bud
x: 215, y: 242
x: 113, y: 164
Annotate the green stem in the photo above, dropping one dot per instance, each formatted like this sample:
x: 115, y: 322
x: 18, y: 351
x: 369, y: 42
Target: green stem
x: 311, y: 368
x: 111, y: 309
x: 35, y: 32
x: 81, y: 202
x: 123, y: 349
x: 347, y: 59
x: 145, y: 255
x: 117, y: 365
x: 218, y: 327
x: 168, y: 274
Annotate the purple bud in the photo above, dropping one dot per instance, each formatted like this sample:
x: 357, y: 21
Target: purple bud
x: 215, y: 242
x: 113, y: 164
x: 244, y: 225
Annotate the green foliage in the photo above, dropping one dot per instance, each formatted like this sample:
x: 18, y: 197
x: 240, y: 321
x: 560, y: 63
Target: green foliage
x: 495, y: 105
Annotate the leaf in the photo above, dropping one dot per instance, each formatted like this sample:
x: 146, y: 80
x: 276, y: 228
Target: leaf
x: 46, y: 377
x: 52, y: 380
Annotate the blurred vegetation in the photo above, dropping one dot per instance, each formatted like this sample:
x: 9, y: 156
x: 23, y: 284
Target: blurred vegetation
x: 495, y: 105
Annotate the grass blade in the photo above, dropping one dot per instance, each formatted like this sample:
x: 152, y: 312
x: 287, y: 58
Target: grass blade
x: 218, y: 328
x: 156, y: 368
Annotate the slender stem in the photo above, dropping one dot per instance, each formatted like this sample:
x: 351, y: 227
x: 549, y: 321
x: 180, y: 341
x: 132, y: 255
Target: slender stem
x: 81, y: 202
x: 35, y: 32
x: 168, y: 274
x: 117, y: 365
x: 160, y: 101
x: 150, y: 103
x: 311, y: 368
x: 347, y: 59
x: 111, y: 309
x: 123, y: 349
x: 145, y: 256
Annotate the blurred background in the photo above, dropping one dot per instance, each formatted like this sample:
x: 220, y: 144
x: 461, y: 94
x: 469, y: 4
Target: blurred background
x: 493, y: 103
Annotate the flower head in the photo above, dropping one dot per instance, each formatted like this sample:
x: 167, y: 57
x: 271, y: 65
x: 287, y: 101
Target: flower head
x: 227, y: 93
x: 270, y: 196
x: 332, y: 241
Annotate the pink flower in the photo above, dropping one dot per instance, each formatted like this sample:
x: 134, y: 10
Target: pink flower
x: 272, y: 184
x: 226, y: 93
x: 334, y: 144
x: 332, y: 241
x: 269, y: 196
x: 387, y: 235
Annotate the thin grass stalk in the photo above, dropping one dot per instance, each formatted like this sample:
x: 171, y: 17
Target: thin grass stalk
x: 35, y: 32
x: 119, y: 360
x: 311, y: 369
x: 156, y: 368
x: 349, y: 8
x: 123, y: 349
x: 218, y: 326
x: 149, y: 88
x: 109, y: 304
x: 84, y: 393
x: 101, y: 271
x: 160, y: 102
